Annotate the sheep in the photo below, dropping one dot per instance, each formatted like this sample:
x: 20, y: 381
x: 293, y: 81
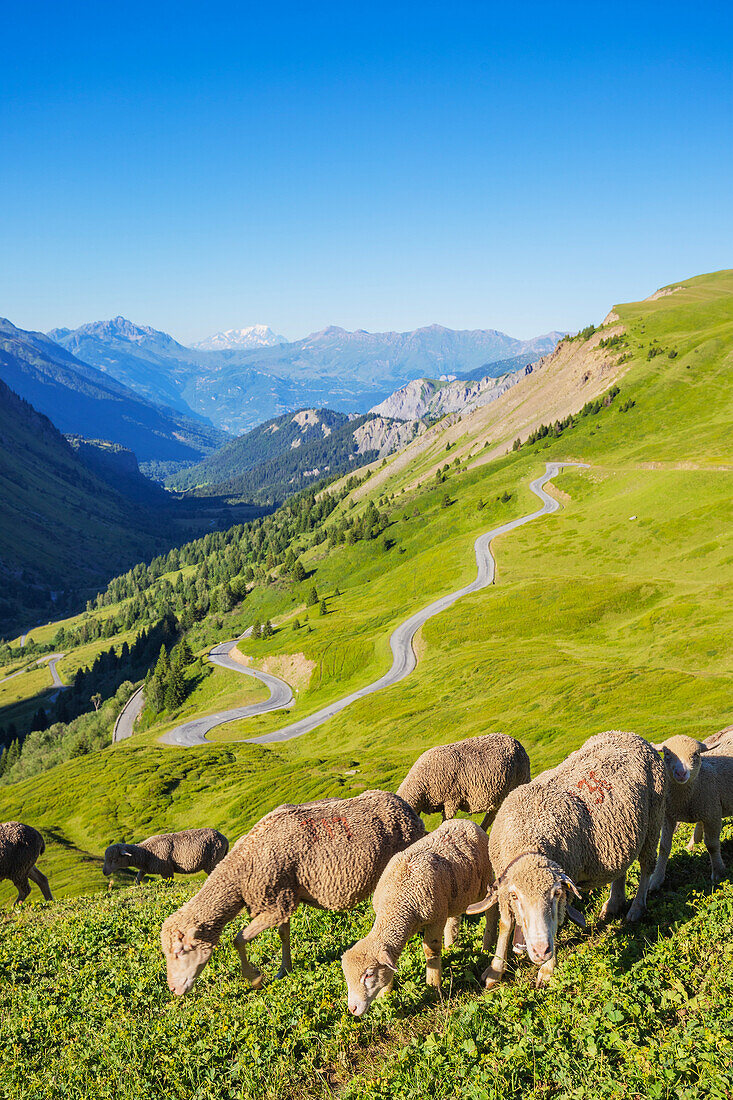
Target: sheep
x: 581, y: 824
x: 169, y: 854
x: 699, y: 789
x: 474, y: 775
x: 20, y: 847
x: 722, y: 743
x: 329, y: 854
x: 420, y: 888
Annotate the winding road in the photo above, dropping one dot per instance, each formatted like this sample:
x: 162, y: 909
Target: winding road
x: 403, y: 655
x: 125, y: 725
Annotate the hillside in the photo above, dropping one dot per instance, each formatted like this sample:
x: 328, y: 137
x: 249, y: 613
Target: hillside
x: 63, y: 527
x: 290, y: 452
x: 237, y: 387
x: 81, y: 400
x: 612, y: 613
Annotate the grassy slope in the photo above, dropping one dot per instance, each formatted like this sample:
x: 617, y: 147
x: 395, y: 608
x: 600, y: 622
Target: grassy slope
x: 598, y: 620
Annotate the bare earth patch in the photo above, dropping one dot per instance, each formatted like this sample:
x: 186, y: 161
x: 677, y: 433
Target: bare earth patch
x: 295, y: 668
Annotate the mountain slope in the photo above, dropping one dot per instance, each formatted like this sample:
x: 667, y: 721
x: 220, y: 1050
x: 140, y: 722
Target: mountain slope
x: 290, y: 452
x: 63, y: 527
x: 149, y: 362
x: 81, y: 400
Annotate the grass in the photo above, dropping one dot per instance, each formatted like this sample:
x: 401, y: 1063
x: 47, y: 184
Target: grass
x: 613, y: 613
x: 84, y: 1009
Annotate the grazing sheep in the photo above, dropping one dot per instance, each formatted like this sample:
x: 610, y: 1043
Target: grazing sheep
x: 699, y: 789
x: 580, y: 824
x: 722, y: 743
x: 169, y: 854
x: 474, y: 775
x: 329, y: 854
x: 20, y: 847
x: 436, y: 878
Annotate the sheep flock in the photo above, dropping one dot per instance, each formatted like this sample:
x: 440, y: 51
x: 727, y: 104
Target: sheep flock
x: 542, y: 843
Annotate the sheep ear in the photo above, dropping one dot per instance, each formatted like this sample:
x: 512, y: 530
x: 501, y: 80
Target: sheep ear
x: 567, y: 881
x: 126, y: 852
x: 481, y: 906
x: 576, y: 917
x: 386, y: 958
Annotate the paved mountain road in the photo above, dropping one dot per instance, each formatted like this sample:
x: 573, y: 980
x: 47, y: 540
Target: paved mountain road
x: 403, y: 655
x: 124, y: 727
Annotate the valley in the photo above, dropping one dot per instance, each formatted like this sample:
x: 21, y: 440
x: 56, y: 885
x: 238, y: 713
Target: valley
x: 610, y: 611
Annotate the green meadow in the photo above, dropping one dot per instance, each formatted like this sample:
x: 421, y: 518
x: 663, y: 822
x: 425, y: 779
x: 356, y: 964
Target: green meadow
x: 616, y: 612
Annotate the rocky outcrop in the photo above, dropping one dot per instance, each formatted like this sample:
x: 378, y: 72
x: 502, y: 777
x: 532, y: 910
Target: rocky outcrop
x: 424, y: 399
x: 386, y: 436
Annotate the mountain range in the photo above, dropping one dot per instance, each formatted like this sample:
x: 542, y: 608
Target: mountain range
x: 237, y: 387
x: 82, y: 400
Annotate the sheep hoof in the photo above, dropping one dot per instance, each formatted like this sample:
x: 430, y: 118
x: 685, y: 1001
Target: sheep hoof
x: 490, y: 978
x: 635, y: 914
x: 256, y: 982
x: 283, y: 972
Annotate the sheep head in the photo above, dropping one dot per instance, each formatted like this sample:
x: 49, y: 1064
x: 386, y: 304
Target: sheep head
x: 116, y: 858
x: 186, y: 951
x: 534, y: 892
x: 682, y: 758
x: 369, y: 969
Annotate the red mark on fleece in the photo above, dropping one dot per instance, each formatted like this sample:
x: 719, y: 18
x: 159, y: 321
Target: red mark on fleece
x: 595, y: 786
x: 328, y: 824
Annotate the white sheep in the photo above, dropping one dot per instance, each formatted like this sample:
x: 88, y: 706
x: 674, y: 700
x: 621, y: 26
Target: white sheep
x: 700, y: 790
x: 169, y: 854
x: 581, y: 824
x: 420, y: 889
x: 474, y: 776
x: 329, y: 854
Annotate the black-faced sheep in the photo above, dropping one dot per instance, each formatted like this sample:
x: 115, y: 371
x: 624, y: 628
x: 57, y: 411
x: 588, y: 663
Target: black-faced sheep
x: 20, y: 848
x: 581, y: 824
x: 169, y: 854
x: 436, y: 878
x: 700, y: 790
x: 474, y: 775
x: 328, y: 853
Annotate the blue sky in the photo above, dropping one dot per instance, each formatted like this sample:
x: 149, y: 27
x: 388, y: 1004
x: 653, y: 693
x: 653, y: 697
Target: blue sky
x: 204, y: 166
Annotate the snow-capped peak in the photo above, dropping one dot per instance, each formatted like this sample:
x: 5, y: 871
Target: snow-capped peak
x: 254, y: 336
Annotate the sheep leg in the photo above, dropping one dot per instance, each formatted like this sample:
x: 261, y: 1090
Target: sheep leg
x: 139, y: 877
x: 23, y: 888
x: 696, y: 838
x: 488, y: 820
x: 450, y: 933
x: 41, y: 881
x: 638, y: 905
x: 494, y: 973
x: 491, y: 927
x: 249, y: 972
x: 665, y: 847
x: 616, y: 899
x: 450, y: 809
x: 286, y: 965
x: 431, y: 946
x: 712, y: 843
